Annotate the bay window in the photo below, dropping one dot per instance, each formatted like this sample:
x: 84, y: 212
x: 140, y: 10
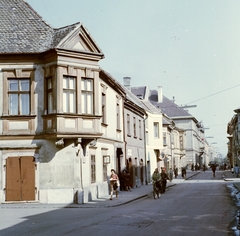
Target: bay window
x: 69, y: 94
x: 87, y: 95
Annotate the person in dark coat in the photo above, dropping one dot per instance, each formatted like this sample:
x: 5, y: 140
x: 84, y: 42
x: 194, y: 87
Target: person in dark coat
x: 164, y: 178
x: 184, y: 172
x: 213, y: 166
x: 175, y: 170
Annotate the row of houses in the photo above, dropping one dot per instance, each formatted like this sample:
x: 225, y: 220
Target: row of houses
x: 66, y: 122
x: 233, y: 130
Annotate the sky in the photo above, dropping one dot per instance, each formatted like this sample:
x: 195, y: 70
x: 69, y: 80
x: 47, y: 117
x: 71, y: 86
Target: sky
x: 189, y: 47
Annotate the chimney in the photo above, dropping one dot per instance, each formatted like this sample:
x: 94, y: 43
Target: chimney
x: 127, y: 82
x: 160, y: 95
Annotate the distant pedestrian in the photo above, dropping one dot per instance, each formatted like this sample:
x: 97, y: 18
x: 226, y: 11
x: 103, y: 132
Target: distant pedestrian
x: 175, y: 170
x: 213, y: 166
x: 184, y: 172
x: 164, y: 178
x: 192, y: 167
x: 236, y: 170
x: 170, y: 174
x: 114, y: 183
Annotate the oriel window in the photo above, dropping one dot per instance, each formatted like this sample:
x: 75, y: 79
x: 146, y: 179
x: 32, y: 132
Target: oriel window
x: 87, y: 95
x: 69, y: 94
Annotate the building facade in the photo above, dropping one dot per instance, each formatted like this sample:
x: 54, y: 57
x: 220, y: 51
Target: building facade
x: 62, y: 122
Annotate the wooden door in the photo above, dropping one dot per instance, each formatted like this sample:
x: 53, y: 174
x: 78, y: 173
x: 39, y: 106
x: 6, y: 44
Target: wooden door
x: 20, y: 179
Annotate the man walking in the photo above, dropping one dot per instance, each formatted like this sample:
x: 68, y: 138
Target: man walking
x: 213, y: 169
x: 236, y: 170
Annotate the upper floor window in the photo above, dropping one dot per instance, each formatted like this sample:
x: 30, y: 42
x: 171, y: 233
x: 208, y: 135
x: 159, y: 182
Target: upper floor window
x: 128, y: 124
x: 164, y: 138
x: 147, y: 138
x: 134, y: 127
x: 19, y: 96
x: 69, y: 94
x: 181, y: 142
x: 49, y: 95
x: 140, y: 129
x: 87, y: 95
x: 156, y: 129
x: 118, y: 116
x: 104, y: 110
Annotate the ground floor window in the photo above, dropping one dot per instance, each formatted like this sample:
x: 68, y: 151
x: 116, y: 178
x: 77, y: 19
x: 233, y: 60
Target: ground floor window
x: 93, y: 169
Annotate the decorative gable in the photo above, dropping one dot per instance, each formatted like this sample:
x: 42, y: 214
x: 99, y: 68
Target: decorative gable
x: 79, y: 40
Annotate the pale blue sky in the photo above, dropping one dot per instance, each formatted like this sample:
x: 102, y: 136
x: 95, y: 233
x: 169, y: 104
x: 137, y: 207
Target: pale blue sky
x: 189, y: 47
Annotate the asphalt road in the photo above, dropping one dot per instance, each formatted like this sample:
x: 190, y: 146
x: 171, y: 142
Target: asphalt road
x: 202, y: 206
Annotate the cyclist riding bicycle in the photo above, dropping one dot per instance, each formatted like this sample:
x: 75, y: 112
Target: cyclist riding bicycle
x: 155, y: 177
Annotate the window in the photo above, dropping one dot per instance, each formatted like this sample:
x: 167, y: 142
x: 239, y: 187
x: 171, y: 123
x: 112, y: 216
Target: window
x: 134, y: 127
x: 164, y: 138
x: 49, y: 96
x: 128, y: 124
x: 93, y: 169
x: 69, y: 94
x: 147, y: 138
x: 118, y: 116
x: 140, y: 129
x: 181, y: 142
x: 104, y: 121
x: 156, y: 130
x: 105, y: 162
x: 87, y: 95
x: 19, y: 96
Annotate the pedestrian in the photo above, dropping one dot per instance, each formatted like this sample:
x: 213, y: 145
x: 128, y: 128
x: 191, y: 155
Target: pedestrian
x: 213, y: 166
x: 114, y: 182
x: 236, y: 170
x: 170, y: 174
x: 192, y: 167
x: 184, y: 172
x: 164, y: 178
x: 204, y: 167
x: 175, y: 170
x: 155, y: 177
x: 126, y: 180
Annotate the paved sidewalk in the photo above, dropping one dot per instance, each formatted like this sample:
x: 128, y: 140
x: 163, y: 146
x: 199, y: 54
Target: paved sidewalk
x: 228, y: 176
x: 123, y: 198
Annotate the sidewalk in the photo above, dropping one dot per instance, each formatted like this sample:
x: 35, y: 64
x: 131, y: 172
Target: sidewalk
x: 124, y: 197
x: 228, y: 176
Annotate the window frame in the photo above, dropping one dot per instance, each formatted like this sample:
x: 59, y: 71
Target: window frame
x: 93, y: 168
x: 18, y: 93
x: 84, y: 96
x: 71, y: 106
x: 18, y: 74
x: 156, y: 129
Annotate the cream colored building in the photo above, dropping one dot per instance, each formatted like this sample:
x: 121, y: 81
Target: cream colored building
x: 61, y: 124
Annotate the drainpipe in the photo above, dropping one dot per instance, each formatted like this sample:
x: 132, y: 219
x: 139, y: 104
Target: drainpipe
x: 145, y: 151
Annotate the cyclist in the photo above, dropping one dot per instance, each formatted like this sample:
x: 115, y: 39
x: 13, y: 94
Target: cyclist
x: 155, y: 177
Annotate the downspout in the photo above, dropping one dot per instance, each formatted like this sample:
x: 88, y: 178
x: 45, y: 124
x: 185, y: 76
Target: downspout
x: 145, y: 151
x: 124, y: 138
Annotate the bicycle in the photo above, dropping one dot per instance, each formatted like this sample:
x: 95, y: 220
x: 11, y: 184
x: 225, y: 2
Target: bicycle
x: 156, y: 189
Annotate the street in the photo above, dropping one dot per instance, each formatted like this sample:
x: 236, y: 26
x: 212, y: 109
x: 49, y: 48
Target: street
x: 201, y: 205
